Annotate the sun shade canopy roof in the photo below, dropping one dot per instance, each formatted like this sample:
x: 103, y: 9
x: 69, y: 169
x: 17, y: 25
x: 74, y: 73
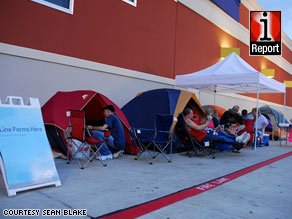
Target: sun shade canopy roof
x: 231, y: 75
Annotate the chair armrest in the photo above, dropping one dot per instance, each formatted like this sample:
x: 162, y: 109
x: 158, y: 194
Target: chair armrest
x: 143, y: 129
x: 148, y: 134
x: 107, y: 132
x: 140, y: 130
x: 164, y: 131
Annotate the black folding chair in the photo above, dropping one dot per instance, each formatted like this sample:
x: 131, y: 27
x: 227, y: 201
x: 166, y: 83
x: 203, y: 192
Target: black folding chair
x: 198, y: 147
x: 194, y: 146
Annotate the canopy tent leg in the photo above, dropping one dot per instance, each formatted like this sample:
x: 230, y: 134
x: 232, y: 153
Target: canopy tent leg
x: 284, y: 108
x: 215, y: 95
x: 199, y: 96
x: 284, y: 112
x: 256, y: 124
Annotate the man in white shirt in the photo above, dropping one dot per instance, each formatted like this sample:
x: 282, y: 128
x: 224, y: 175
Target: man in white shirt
x: 261, y: 123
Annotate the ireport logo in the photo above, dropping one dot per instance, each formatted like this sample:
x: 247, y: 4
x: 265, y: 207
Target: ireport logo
x: 265, y: 33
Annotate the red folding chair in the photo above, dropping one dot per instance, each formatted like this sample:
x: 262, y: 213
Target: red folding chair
x: 80, y: 146
x: 249, y: 128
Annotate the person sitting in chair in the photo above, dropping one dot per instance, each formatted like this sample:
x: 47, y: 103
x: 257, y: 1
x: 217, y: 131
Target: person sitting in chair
x: 115, y: 145
x: 215, y: 118
x: 244, y: 114
x: 231, y: 119
x: 202, y: 135
x: 261, y: 123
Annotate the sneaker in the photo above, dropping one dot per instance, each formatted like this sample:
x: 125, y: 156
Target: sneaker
x: 237, y: 146
x: 246, y: 139
x: 105, y: 157
x: 118, y: 154
x: 241, y: 138
x: 235, y: 151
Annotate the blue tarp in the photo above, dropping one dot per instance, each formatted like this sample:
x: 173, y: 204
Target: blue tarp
x: 231, y: 7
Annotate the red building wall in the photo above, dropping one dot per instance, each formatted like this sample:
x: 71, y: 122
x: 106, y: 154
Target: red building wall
x: 197, y: 42
x: 244, y: 16
x: 106, y: 31
x: 162, y: 37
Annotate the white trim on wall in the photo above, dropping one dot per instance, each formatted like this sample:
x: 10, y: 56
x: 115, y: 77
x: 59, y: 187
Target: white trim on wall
x: 80, y: 63
x: 251, y: 5
x: 210, y: 11
x: 57, y: 7
x: 38, y: 55
x: 286, y: 40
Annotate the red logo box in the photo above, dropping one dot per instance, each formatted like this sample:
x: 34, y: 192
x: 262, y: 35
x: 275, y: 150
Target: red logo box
x: 265, y: 33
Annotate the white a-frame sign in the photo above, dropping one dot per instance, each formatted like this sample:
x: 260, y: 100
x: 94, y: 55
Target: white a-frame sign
x: 26, y: 158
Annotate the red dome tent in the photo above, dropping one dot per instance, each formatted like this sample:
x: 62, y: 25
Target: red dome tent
x: 56, y: 121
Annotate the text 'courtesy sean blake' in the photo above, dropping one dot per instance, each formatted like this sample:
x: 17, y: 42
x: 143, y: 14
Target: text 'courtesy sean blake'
x: 44, y: 212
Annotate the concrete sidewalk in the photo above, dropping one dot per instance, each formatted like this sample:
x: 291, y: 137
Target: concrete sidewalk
x: 264, y: 193
x: 125, y: 182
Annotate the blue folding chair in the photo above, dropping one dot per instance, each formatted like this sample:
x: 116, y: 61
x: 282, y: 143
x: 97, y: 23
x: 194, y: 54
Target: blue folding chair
x: 143, y: 139
x: 158, y: 139
x: 163, y: 136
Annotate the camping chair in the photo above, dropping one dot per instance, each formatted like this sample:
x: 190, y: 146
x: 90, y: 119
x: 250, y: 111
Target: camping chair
x: 163, y: 136
x: 159, y: 139
x: 249, y: 124
x: 80, y: 145
x: 143, y: 139
x: 194, y: 146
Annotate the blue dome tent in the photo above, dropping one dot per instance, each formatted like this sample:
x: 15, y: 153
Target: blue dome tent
x: 141, y: 110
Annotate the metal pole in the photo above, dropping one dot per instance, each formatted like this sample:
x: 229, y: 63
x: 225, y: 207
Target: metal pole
x: 215, y: 95
x: 283, y: 121
x: 256, y: 125
x: 199, y: 96
x: 214, y: 98
x: 284, y: 107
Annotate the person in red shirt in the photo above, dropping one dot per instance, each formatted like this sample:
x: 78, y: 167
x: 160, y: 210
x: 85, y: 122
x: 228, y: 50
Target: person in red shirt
x: 199, y: 132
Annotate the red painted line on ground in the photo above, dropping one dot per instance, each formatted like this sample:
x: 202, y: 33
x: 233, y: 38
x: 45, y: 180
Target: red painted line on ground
x: 145, y: 208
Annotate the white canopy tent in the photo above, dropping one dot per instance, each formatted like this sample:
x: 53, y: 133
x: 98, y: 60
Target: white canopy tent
x: 231, y: 75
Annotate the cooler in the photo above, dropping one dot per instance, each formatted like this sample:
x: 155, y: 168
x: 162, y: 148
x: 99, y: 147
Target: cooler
x: 266, y: 139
